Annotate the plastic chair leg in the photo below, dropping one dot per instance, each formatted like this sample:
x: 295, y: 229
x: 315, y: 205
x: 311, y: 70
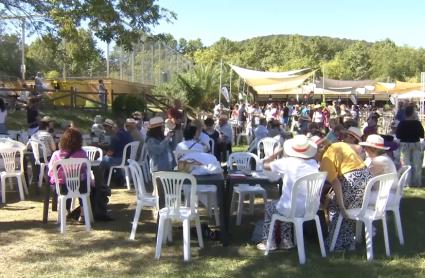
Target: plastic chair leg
x: 216, y: 212
x: 3, y: 190
x: 186, y: 239
x: 136, y: 220
x: 336, y: 232
x: 199, y: 231
x: 232, y: 203
x: 24, y: 183
x: 170, y: 231
x: 90, y: 210
x: 386, y: 239
x: 270, y: 235
x: 127, y: 177
x: 62, y: 206
x: 41, y: 175
x: 398, y: 226
x: 86, y: 213
x: 20, y: 187
x: 300, y: 241
x: 320, y: 236
x: 240, y: 209
x: 110, y: 176
x: 159, y: 237
x: 369, y: 240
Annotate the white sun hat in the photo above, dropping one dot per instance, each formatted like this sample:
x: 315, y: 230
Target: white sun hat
x: 374, y: 141
x: 300, y: 146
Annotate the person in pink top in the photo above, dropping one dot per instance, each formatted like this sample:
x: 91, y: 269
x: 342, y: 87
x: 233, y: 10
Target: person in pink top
x: 69, y: 147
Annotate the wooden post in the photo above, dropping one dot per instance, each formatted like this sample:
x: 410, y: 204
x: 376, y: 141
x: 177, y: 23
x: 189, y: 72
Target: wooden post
x: 71, y: 98
x: 105, y: 104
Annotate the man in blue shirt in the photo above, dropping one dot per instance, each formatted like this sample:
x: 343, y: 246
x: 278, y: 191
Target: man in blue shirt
x: 119, y: 138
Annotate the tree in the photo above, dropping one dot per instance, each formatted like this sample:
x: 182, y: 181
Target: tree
x: 122, y: 21
x: 10, y: 55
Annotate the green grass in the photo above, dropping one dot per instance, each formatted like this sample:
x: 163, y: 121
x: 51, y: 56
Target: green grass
x: 29, y: 248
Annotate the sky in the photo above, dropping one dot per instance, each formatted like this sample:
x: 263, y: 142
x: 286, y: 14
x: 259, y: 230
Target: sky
x: 401, y: 21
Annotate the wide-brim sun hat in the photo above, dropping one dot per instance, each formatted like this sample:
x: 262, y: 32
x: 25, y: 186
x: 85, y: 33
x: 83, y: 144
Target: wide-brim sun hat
x: 109, y: 122
x: 300, y: 146
x: 156, y: 122
x: 355, y: 132
x: 375, y: 141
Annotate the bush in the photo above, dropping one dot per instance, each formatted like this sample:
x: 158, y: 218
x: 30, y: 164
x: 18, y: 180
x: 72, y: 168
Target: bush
x: 126, y: 104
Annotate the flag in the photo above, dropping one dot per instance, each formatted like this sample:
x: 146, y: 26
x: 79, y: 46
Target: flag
x: 225, y: 93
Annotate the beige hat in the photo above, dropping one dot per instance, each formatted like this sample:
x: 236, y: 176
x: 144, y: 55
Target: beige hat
x: 109, y: 122
x: 155, y: 122
x: 300, y: 146
x: 47, y: 119
x: 355, y: 132
x: 130, y: 121
x: 374, y: 141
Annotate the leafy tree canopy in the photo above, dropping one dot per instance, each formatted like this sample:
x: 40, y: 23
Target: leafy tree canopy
x: 122, y: 21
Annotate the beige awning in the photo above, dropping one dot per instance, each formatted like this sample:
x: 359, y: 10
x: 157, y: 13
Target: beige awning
x: 273, y: 83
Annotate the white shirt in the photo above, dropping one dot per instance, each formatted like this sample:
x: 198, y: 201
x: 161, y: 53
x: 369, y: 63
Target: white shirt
x: 205, y: 139
x: 46, y: 138
x: 192, y: 145
x: 292, y: 168
x: 317, y: 117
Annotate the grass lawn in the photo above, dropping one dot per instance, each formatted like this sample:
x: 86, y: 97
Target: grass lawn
x: 29, y: 248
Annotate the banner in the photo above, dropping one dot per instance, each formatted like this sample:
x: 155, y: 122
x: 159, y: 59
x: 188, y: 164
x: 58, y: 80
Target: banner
x: 225, y: 93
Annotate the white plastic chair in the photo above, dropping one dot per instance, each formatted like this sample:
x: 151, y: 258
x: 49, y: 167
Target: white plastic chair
x: 297, y: 214
x: 143, y: 199
x: 144, y: 164
x: 212, y: 146
x: 247, y: 133
x: 172, y: 183
x: 132, y: 148
x: 36, y: 147
x: 242, y: 161
x: 72, y: 168
x: 93, y: 152
x: 269, y: 146
x: 8, y: 154
x: 207, y: 193
x: 369, y: 213
x: 395, y: 199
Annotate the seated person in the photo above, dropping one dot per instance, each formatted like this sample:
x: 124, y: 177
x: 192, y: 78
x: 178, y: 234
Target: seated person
x: 191, y: 140
x: 119, y: 138
x: 299, y: 161
x: 213, y: 134
x: 70, y: 147
x: 224, y: 138
x: 97, y: 128
x: 45, y: 137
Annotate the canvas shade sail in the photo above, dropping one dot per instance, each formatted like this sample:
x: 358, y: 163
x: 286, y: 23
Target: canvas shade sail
x: 397, y: 87
x: 412, y: 94
x: 272, y: 83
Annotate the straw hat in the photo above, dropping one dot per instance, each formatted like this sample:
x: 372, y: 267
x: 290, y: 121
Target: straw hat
x: 156, y: 122
x: 300, y: 146
x: 109, y: 122
x: 130, y: 121
x: 355, y: 132
x: 374, y: 141
x: 47, y: 119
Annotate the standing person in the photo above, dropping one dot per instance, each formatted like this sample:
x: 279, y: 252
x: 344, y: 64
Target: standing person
x: 317, y: 116
x: 33, y: 116
x: 101, y: 90
x: 175, y: 115
x: 213, y: 134
x: 159, y: 146
x: 39, y: 86
x: 225, y: 137
x: 242, y: 116
x: 409, y: 131
x: 3, y: 117
x: 348, y: 177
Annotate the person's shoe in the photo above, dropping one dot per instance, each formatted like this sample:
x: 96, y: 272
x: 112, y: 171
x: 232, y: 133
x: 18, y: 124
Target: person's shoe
x: 81, y: 220
x: 103, y: 218
x: 262, y: 246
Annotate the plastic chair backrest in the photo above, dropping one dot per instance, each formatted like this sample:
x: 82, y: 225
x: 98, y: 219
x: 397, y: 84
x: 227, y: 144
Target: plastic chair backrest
x: 91, y: 152
x: 143, y: 153
x: 269, y: 146
x: 137, y: 175
x: 403, y: 174
x: 172, y: 184
x: 313, y: 184
x: 132, y: 148
x: 242, y: 161
x: 36, y: 147
x: 383, y: 183
x: 72, y: 168
x: 9, y: 158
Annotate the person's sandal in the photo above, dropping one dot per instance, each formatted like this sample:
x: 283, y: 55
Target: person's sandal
x: 81, y: 220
